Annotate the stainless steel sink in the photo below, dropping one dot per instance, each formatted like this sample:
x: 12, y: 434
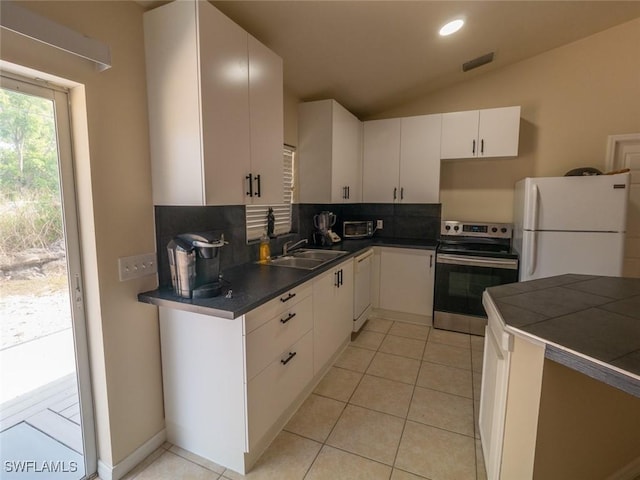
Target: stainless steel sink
x: 296, y: 262
x: 318, y: 254
x: 306, y: 259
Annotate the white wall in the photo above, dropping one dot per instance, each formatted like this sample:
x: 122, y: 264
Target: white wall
x: 572, y: 99
x: 116, y: 212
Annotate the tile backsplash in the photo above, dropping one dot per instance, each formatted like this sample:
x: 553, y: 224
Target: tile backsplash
x: 410, y: 221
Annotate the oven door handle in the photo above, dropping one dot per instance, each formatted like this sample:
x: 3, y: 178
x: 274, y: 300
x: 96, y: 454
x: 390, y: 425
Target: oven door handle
x: 508, y: 264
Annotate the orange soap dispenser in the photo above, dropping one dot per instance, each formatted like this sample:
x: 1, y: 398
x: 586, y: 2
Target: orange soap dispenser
x: 265, y: 248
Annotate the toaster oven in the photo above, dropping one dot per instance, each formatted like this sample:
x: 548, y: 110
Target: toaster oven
x: 357, y: 229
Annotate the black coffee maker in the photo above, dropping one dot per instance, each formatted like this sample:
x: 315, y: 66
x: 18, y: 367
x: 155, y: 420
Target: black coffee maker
x: 194, y: 261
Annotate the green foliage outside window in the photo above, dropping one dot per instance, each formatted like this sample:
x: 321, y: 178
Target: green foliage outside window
x: 30, y: 213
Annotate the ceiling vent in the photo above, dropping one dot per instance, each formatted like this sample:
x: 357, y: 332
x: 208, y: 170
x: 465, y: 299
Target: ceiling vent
x: 477, y: 62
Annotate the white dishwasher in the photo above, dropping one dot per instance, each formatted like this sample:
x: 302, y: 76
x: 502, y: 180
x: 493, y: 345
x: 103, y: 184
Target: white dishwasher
x: 362, y: 289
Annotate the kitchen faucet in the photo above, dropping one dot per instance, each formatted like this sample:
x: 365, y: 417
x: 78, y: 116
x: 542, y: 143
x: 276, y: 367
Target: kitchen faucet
x: 288, y: 247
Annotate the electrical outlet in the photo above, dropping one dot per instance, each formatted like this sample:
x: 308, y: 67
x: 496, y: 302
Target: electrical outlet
x: 137, y: 266
x: 379, y: 224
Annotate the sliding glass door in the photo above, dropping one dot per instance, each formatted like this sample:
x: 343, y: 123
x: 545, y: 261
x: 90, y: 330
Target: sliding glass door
x: 46, y: 415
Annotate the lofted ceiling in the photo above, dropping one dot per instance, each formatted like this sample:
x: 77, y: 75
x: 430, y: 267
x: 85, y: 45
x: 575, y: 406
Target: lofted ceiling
x: 374, y: 55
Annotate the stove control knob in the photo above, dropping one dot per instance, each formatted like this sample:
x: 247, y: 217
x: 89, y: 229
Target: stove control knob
x: 447, y: 227
x: 494, y: 229
x: 503, y: 230
x: 456, y: 228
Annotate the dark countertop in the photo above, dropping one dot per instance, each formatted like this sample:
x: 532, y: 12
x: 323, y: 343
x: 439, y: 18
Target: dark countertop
x: 253, y: 285
x: 588, y: 323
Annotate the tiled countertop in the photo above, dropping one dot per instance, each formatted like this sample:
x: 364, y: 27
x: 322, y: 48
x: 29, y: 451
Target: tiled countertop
x: 588, y: 323
x: 253, y: 284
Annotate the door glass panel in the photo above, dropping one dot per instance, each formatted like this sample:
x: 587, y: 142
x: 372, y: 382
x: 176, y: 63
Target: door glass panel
x: 41, y: 434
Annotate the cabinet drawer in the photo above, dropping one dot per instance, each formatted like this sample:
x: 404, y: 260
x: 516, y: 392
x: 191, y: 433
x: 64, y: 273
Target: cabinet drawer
x: 266, y: 312
x: 272, y: 391
x: 266, y: 342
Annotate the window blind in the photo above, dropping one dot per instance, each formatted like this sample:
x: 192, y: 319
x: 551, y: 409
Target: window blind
x: 256, y: 215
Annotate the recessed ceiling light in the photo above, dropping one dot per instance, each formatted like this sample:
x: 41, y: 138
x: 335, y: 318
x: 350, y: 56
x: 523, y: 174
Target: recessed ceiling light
x: 451, y: 27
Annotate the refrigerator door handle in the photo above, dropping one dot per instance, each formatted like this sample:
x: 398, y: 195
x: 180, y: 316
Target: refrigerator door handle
x: 532, y: 253
x: 534, y: 227
x: 534, y: 207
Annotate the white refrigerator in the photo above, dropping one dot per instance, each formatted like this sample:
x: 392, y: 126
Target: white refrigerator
x: 570, y: 225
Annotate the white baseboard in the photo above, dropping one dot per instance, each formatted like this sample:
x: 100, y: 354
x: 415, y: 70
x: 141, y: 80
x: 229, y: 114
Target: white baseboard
x: 116, y: 472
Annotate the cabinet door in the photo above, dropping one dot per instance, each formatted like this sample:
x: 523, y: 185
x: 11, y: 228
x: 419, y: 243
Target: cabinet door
x: 381, y: 161
x: 495, y: 366
x: 271, y: 392
x: 267, y: 127
x: 499, y: 132
x: 332, y: 312
x: 268, y: 341
x: 225, y: 106
x: 459, y: 134
x: 346, y: 165
x: 170, y: 33
x: 314, y: 155
x: 420, y: 159
x: 406, y: 280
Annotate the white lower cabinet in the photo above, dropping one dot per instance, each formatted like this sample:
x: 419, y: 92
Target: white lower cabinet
x: 497, y: 355
x: 231, y: 385
x: 510, y: 400
x: 272, y: 391
x: 332, y: 313
x: 270, y: 339
x: 407, y: 282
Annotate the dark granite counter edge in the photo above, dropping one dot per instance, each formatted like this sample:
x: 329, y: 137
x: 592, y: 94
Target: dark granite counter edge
x: 596, y: 369
x: 165, y: 297
x: 608, y: 374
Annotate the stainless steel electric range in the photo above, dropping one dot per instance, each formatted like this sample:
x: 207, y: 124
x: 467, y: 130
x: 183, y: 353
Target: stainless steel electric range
x: 470, y: 258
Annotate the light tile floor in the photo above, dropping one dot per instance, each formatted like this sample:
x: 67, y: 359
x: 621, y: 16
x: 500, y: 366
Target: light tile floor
x: 400, y: 403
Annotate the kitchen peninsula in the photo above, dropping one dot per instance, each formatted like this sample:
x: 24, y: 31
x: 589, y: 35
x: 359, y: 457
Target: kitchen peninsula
x: 561, y: 379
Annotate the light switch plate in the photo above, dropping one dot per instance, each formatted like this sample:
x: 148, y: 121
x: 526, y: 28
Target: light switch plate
x: 379, y: 224
x: 137, y: 266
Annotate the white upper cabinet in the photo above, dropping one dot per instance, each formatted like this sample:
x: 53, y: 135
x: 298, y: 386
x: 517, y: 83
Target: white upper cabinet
x: 492, y: 132
x: 402, y: 160
x: 329, y: 153
x: 267, y: 123
x: 215, y: 109
x: 420, y: 159
x: 381, y: 161
x: 224, y: 115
